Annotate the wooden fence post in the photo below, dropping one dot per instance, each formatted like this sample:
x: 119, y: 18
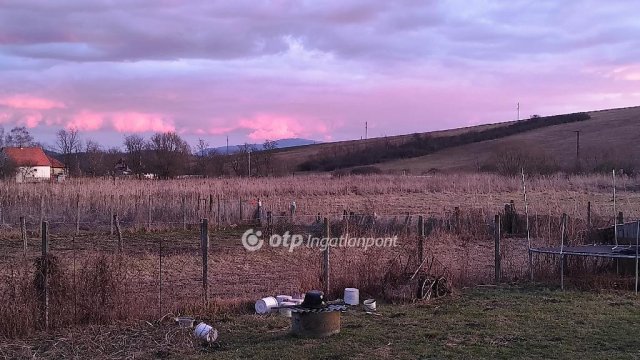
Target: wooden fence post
x: 269, y: 222
x: 218, y: 214
x: 44, y: 231
x: 149, y: 213
x: 496, y: 238
x: 118, y: 231
x: 204, y: 244
x: 184, y: 213
x: 325, y: 260
x: 78, y: 214
x: 23, y: 233
x: 420, y: 240
x: 240, y: 205
x: 41, y: 211
x: 345, y: 218
x: 111, y: 216
x: 589, y: 214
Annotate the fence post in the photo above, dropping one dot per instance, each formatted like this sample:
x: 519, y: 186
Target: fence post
x: 78, y: 214
x: 204, y: 244
x: 149, y: 212
x: 184, y: 213
x: 269, y: 222
x: 111, y: 215
x: 118, y: 231
x: 420, y: 240
x: 218, y: 213
x: 44, y: 231
x: 325, y: 259
x: 41, y: 211
x: 589, y: 214
x: 160, y: 281
x: 240, y: 205
x: 23, y: 233
x: 563, y: 259
x: 496, y: 238
x: 345, y: 218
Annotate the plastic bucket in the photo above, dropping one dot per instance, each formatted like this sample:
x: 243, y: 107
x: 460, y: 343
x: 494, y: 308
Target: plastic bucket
x: 297, y: 301
x: 265, y: 305
x: 284, y: 311
x: 369, y: 304
x: 205, y: 332
x: 283, y: 298
x: 351, y: 296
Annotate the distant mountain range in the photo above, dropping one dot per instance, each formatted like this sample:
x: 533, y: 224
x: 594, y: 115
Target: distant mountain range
x: 280, y: 144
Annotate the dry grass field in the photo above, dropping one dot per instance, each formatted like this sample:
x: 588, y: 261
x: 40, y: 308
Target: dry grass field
x: 159, y: 272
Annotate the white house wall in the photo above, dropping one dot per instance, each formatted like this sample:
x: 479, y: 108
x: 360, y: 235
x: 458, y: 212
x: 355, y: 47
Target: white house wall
x: 31, y: 173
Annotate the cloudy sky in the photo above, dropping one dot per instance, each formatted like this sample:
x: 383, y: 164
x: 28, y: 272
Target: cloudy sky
x: 255, y: 70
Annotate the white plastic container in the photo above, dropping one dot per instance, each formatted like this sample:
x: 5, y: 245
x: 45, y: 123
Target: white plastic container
x: 284, y: 311
x: 205, y: 332
x: 369, y: 305
x: 283, y: 298
x: 351, y: 296
x: 266, y: 305
x: 185, y: 321
x: 297, y: 301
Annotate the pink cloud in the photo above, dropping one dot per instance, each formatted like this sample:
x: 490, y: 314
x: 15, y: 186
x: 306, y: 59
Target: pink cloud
x: 86, y: 121
x: 32, y: 120
x: 30, y: 102
x: 266, y: 126
x: 140, y: 122
x: 220, y: 130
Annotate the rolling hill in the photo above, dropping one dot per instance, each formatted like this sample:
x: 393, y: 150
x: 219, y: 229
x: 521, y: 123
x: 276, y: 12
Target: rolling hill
x: 613, y: 132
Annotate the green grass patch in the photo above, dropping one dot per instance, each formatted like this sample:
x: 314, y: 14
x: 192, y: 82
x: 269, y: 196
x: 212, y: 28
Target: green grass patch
x: 479, y: 323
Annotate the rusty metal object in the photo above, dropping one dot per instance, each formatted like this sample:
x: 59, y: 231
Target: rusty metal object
x: 315, y: 324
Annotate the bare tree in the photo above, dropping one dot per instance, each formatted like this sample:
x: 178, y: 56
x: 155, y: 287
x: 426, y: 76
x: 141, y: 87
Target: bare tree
x: 135, y: 147
x: 95, y: 159
x: 68, y: 144
x: 7, y: 167
x: 240, y: 159
x: 19, y: 136
x: 171, y: 154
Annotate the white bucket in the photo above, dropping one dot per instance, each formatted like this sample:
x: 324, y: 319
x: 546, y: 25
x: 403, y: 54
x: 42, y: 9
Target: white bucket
x: 286, y: 312
x: 264, y: 305
x: 351, y: 296
x: 283, y: 298
x: 297, y: 301
x: 369, y: 304
x: 205, y: 332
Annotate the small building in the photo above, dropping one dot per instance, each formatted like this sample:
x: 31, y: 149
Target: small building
x: 58, y: 169
x: 32, y: 163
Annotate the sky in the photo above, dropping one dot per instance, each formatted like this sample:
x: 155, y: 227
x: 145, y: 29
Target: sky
x: 255, y: 70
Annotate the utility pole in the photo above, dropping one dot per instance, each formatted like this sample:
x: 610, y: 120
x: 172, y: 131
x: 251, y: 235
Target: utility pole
x: 518, y: 110
x: 227, y: 144
x: 249, y: 162
x: 366, y: 130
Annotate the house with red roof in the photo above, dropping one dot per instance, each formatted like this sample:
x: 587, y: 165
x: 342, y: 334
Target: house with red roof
x: 33, y: 164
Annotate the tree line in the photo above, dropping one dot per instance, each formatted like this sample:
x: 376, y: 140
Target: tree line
x: 163, y: 154
x: 424, y: 144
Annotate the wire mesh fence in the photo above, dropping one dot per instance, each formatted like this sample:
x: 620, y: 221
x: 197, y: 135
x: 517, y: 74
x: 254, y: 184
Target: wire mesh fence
x: 106, y: 270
